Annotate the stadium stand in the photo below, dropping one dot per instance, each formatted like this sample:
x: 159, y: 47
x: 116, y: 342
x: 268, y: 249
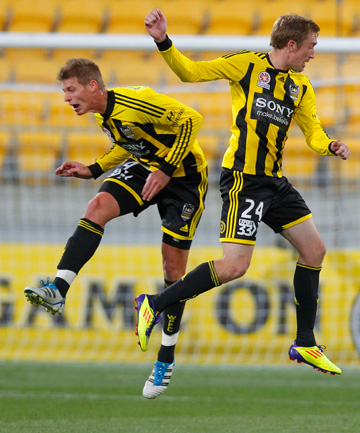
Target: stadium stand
x: 125, y: 17
x: 225, y: 18
x: 81, y: 16
x: 4, y: 146
x: 21, y: 111
x: 38, y: 152
x: 31, y: 16
x: 185, y: 16
x: 86, y: 147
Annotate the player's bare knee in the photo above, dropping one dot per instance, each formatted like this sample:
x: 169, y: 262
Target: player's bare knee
x: 314, y: 256
x: 230, y: 271
x: 172, y: 271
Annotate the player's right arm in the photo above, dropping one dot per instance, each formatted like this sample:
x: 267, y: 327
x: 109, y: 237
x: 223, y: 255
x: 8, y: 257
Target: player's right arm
x: 188, y: 70
x: 115, y: 156
x: 74, y: 169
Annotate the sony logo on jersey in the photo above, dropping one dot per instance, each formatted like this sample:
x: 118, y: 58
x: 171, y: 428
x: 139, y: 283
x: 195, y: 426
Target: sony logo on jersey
x: 275, y: 106
x: 268, y: 109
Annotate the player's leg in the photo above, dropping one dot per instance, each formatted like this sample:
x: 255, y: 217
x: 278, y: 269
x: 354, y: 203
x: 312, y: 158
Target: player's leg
x: 238, y: 244
x: 180, y: 206
x: 290, y: 216
x: 306, y: 239
x: 115, y: 197
x: 174, y: 265
x: 79, y: 249
x: 233, y: 264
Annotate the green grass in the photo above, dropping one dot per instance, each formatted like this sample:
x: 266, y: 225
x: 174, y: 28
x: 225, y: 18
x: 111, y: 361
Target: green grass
x: 91, y: 398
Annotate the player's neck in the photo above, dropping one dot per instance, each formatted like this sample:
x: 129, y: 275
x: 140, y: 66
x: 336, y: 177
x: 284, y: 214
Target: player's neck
x: 279, y: 60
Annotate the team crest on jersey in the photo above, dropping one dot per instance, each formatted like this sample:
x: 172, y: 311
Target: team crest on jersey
x: 187, y: 211
x: 126, y: 130
x: 264, y: 80
x: 222, y: 227
x: 108, y: 133
x: 294, y: 91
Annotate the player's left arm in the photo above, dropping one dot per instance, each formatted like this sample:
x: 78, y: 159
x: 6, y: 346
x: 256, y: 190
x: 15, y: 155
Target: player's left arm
x: 340, y: 149
x: 306, y: 117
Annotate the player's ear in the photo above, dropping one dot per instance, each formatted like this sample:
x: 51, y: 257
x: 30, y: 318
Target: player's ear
x: 93, y: 85
x: 292, y: 45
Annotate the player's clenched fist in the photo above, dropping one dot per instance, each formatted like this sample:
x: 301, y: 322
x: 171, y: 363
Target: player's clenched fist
x: 156, y: 25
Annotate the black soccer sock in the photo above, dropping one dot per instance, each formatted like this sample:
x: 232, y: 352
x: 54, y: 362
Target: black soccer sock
x: 306, y: 284
x: 199, y: 280
x: 79, y: 249
x: 171, y: 319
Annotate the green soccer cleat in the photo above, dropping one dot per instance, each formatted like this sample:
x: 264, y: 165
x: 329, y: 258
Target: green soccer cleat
x: 313, y: 356
x: 147, y: 318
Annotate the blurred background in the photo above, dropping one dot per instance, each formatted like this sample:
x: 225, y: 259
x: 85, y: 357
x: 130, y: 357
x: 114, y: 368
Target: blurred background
x: 38, y: 131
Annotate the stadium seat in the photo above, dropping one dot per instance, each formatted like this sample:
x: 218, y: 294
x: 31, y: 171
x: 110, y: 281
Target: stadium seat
x: 61, y: 115
x: 184, y: 16
x: 85, y: 147
x: 325, y: 14
x: 38, y: 152
x: 230, y: 17
x: 5, y: 15
x: 33, y: 16
x: 6, y: 69
x: 269, y: 10
x: 125, y: 16
x: 4, y: 146
x: 31, y: 65
x: 139, y: 68
x: 22, y: 109
x: 81, y: 16
x: 300, y: 162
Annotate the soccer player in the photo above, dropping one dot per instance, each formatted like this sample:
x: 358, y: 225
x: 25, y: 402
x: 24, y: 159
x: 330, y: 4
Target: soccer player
x: 267, y: 90
x: 156, y: 159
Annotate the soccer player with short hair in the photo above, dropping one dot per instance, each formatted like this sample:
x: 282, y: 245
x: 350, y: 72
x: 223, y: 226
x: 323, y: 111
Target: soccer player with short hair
x: 155, y: 159
x: 267, y: 90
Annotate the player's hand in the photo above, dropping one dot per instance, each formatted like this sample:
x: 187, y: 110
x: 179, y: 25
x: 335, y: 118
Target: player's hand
x: 74, y: 169
x: 156, y: 25
x: 155, y: 182
x: 340, y: 149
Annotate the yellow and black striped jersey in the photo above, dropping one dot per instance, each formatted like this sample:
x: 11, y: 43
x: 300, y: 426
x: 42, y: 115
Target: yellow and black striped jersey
x: 264, y: 101
x: 156, y: 130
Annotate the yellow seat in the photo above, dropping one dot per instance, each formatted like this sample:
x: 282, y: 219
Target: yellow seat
x: 323, y: 69
x: 299, y: 161
x: 60, y: 113
x: 127, y: 16
x: 33, y: 16
x: 5, y: 15
x: 31, y: 65
x: 38, y: 151
x: 132, y: 68
x: 184, y: 16
x: 6, y: 70
x: 81, y: 16
x: 22, y: 109
x: 4, y: 146
x: 86, y: 147
x: 269, y: 10
x: 325, y: 13
x: 229, y: 18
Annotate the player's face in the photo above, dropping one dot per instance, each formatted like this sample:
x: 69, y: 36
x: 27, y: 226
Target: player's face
x: 80, y: 97
x: 303, y: 53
